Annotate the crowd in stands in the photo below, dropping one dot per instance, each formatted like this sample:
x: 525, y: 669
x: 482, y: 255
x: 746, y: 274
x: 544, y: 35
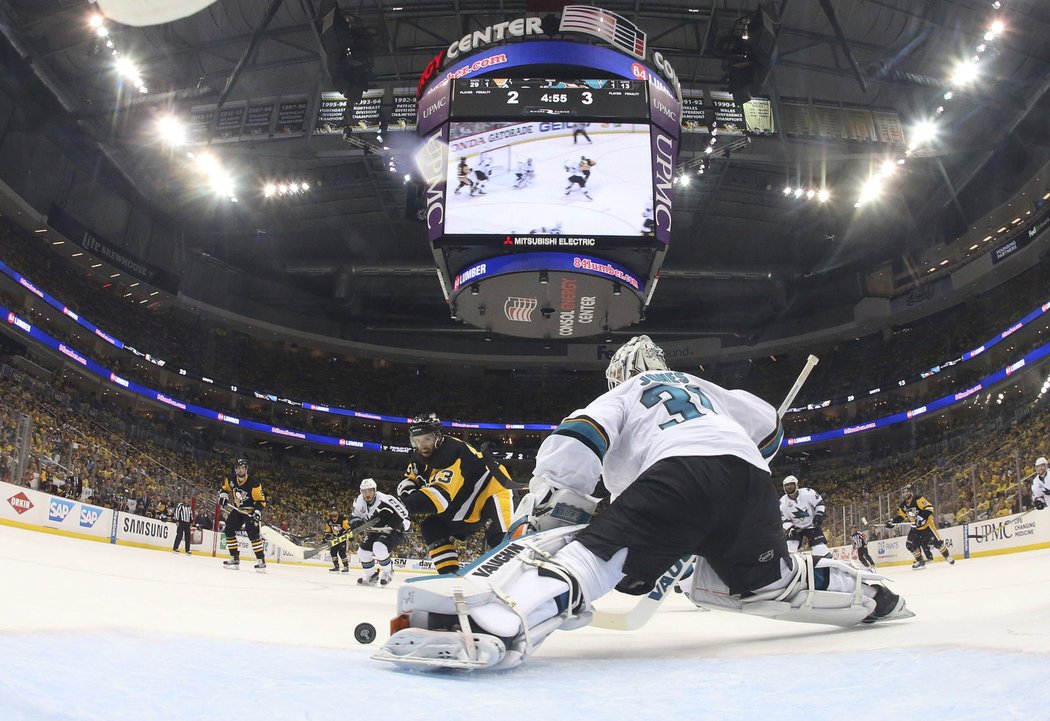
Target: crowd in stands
x: 286, y: 370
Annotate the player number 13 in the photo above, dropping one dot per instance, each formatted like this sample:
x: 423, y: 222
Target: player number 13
x: 677, y: 401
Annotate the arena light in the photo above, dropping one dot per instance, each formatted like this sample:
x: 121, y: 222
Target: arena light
x: 964, y: 73
x: 922, y: 133
x: 823, y: 195
x: 96, y: 21
x: 172, y: 131
x: 787, y: 190
x: 996, y: 27
x: 126, y: 68
x: 870, y: 190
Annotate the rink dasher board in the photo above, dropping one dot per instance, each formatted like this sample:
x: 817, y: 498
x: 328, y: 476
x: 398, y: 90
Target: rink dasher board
x: 1029, y: 531
x: 33, y: 510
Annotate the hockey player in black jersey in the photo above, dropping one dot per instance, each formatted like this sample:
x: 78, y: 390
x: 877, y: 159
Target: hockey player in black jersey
x: 336, y: 525
x: 384, y: 537
x: 246, y: 511
x: 463, y: 173
x: 448, y: 480
x: 917, y: 511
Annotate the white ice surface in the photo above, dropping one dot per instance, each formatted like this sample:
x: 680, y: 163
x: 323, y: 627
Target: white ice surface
x: 94, y: 631
x: 620, y: 185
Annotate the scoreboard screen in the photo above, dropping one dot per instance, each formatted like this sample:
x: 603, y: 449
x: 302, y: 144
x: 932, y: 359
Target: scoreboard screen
x: 499, y: 98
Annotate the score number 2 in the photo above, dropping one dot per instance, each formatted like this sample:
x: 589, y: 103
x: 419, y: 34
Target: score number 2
x: 677, y: 401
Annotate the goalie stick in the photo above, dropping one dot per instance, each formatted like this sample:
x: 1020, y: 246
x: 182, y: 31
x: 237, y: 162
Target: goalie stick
x: 368, y: 525
x: 636, y: 617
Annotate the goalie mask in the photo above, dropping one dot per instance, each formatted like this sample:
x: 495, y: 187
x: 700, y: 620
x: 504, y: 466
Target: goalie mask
x: 425, y: 433
x: 634, y: 357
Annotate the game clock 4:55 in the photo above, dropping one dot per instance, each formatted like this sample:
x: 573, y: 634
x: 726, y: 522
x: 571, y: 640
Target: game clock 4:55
x: 487, y: 98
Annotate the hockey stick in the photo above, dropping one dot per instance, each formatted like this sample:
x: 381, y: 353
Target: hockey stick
x: 268, y: 533
x: 494, y: 469
x: 366, y: 526
x: 642, y: 611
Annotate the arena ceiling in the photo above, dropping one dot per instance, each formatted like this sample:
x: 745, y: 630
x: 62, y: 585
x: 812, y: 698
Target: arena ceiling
x: 743, y: 255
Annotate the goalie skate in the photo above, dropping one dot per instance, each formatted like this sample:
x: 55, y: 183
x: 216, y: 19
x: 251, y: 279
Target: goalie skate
x: 421, y: 648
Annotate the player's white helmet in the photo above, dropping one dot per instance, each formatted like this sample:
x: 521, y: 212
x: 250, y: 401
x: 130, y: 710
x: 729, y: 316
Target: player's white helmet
x: 636, y: 356
x: 790, y: 481
x: 1040, y: 461
x: 368, y: 485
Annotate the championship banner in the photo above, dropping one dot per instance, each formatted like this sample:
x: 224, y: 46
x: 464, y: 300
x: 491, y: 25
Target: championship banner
x: 365, y: 114
x: 228, y: 121
x: 888, y: 128
x: 796, y: 117
x: 257, y: 118
x: 859, y: 125
x: 829, y: 120
x: 728, y: 115
x: 291, y: 117
x: 694, y: 114
x: 330, y: 113
x: 201, y: 119
x: 403, y: 115
x: 758, y: 116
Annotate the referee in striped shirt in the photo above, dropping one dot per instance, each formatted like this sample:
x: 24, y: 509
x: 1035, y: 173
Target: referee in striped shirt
x: 182, y: 517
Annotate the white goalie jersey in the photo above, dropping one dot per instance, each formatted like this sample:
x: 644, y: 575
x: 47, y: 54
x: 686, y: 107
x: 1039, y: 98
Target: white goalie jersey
x: 656, y: 415
x: 799, y: 512
x: 1041, y: 488
x: 391, y: 510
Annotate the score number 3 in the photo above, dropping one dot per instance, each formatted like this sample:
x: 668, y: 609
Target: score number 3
x: 677, y: 401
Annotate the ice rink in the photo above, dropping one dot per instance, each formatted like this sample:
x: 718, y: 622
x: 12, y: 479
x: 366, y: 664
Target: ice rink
x: 620, y: 185
x: 95, y: 631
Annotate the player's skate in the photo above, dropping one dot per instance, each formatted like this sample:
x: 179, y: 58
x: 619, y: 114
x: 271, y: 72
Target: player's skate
x: 334, y: 569
x: 369, y: 579
x: 385, y: 578
x: 346, y: 568
x: 234, y: 564
x: 260, y: 566
x: 920, y: 563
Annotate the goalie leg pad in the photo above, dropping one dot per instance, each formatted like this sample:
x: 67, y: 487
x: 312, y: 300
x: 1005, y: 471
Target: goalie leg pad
x: 520, y: 592
x: 810, y: 590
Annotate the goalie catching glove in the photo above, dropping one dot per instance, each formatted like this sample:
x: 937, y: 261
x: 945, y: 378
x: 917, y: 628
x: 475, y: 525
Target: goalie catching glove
x: 546, y: 506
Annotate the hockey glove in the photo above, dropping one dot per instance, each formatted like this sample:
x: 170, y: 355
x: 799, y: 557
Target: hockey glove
x: 890, y: 524
x: 257, y: 516
x: 545, y: 507
x: 818, y: 521
x: 1039, y: 504
x: 406, y: 486
x: 224, y: 498
x: 792, y: 533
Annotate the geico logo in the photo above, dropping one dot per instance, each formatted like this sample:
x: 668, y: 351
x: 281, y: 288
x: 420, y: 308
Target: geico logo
x: 59, y: 510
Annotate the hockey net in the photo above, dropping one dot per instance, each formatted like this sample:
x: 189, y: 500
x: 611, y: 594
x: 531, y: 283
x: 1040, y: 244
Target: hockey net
x: 500, y: 157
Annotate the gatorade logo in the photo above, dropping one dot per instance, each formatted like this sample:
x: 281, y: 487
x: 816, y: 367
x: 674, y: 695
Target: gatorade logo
x: 20, y: 502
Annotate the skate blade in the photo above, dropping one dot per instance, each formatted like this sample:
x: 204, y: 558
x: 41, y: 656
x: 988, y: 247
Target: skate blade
x: 419, y: 662
x: 260, y: 570
x: 440, y: 649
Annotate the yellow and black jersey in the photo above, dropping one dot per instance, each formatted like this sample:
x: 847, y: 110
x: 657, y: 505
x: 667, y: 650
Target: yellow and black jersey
x: 455, y: 483
x: 586, y: 164
x: 248, y: 495
x: 918, y: 512
x: 462, y: 171
x: 338, y: 526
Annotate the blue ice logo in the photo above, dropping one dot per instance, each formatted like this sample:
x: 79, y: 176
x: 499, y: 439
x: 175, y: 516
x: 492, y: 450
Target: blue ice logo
x: 59, y: 509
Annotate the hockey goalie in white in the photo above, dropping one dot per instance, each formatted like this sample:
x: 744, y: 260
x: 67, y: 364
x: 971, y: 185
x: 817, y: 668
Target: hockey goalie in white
x: 685, y: 463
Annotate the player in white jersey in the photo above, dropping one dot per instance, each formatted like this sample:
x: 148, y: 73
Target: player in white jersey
x: 685, y: 462
x: 578, y: 176
x: 1040, y: 485
x: 648, y: 221
x: 382, y: 538
x: 525, y: 174
x: 802, y: 515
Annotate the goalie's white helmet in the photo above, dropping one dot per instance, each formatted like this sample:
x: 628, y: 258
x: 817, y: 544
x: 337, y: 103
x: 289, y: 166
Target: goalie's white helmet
x: 368, y: 485
x: 636, y: 356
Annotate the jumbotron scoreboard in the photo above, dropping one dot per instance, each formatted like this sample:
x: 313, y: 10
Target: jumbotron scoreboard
x: 548, y: 169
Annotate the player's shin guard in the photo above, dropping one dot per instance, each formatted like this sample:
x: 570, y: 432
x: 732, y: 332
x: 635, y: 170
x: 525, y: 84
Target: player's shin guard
x: 496, y: 611
x: 811, y: 590
x: 444, y: 556
x: 232, y: 548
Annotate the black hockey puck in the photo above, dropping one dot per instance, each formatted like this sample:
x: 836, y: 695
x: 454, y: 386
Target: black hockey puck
x: 365, y: 633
